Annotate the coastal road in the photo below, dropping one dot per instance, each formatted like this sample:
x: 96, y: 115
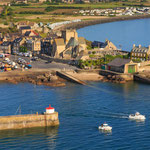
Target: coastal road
x: 43, y: 64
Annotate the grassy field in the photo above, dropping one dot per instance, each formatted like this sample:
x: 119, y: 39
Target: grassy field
x: 37, y: 12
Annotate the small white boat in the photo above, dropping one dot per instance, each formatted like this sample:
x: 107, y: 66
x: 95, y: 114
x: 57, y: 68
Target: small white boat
x: 105, y: 127
x: 137, y: 116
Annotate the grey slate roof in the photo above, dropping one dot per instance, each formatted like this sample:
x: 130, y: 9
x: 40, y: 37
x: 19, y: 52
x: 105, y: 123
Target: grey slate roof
x: 17, y: 40
x: 27, y: 33
x: 118, y: 62
x: 6, y: 43
x: 25, y: 27
x: 140, y: 50
x: 72, y: 42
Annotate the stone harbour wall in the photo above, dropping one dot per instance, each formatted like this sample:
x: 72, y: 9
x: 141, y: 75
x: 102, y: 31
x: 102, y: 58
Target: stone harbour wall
x: 28, y: 121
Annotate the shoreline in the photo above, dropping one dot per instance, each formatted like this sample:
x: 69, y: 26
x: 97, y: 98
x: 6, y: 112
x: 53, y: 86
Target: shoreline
x: 86, y: 23
x: 45, y: 77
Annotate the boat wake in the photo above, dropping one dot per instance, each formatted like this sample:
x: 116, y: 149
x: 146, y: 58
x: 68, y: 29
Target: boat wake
x: 101, y: 114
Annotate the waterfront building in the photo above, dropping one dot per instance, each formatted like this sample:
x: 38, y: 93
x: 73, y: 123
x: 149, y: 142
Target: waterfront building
x: 46, y: 47
x: 123, y: 66
x: 33, y: 45
x: 69, y: 45
x: 107, y: 45
x: 140, y: 52
x: 68, y: 34
x: 16, y: 44
x: 58, y: 47
x: 5, y: 47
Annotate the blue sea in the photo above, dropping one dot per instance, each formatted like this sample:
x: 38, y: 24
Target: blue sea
x: 83, y: 108
x: 122, y: 33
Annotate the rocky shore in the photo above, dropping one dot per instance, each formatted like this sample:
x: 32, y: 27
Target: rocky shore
x: 85, y: 23
x: 113, y: 79
x: 48, y: 78
x: 143, y: 77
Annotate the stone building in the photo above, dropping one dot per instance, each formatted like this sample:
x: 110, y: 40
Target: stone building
x: 33, y: 45
x: 58, y: 47
x: 17, y: 43
x: 5, y: 47
x: 24, y: 29
x: 32, y: 25
x: 140, y: 52
x: 107, y: 45
x: 123, y: 66
x: 69, y: 45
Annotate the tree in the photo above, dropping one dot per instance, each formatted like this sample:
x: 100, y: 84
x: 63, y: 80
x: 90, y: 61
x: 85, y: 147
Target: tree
x: 23, y: 49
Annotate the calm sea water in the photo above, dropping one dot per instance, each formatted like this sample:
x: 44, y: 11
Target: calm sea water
x: 83, y: 108
x: 121, y: 33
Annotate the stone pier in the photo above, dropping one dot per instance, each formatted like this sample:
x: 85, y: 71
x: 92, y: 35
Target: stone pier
x: 28, y: 121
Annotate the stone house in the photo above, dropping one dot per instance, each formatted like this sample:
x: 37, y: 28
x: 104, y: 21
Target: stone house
x: 31, y: 33
x: 33, y: 45
x: 69, y: 46
x: 33, y: 25
x: 58, y: 47
x: 17, y: 43
x: 24, y: 29
x: 5, y: 47
x: 74, y: 48
x: 123, y: 66
x: 68, y: 34
x: 107, y: 45
x: 140, y: 52
x: 46, y: 46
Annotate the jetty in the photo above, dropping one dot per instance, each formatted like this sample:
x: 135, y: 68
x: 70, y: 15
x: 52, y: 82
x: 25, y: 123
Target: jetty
x: 49, y: 118
x: 70, y: 78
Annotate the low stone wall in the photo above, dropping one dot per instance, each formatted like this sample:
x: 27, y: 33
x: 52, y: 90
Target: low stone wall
x: 126, y: 77
x: 88, y: 71
x: 28, y: 121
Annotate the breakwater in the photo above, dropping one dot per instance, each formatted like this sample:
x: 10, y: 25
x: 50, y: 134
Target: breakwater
x: 28, y: 121
x: 84, y: 23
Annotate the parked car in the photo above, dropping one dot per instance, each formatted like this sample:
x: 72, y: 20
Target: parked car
x: 35, y: 58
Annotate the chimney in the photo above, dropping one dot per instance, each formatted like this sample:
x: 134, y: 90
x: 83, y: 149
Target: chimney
x: 133, y: 45
x: 140, y: 46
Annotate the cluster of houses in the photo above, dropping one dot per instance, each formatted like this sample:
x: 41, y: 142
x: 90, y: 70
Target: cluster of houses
x: 118, y: 11
x: 66, y: 44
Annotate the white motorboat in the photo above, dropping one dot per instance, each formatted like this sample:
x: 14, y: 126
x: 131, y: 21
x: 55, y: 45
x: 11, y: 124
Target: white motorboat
x: 137, y: 116
x: 105, y: 127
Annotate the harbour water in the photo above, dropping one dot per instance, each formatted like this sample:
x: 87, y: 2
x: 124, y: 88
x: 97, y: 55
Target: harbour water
x: 83, y: 108
x: 122, y: 33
